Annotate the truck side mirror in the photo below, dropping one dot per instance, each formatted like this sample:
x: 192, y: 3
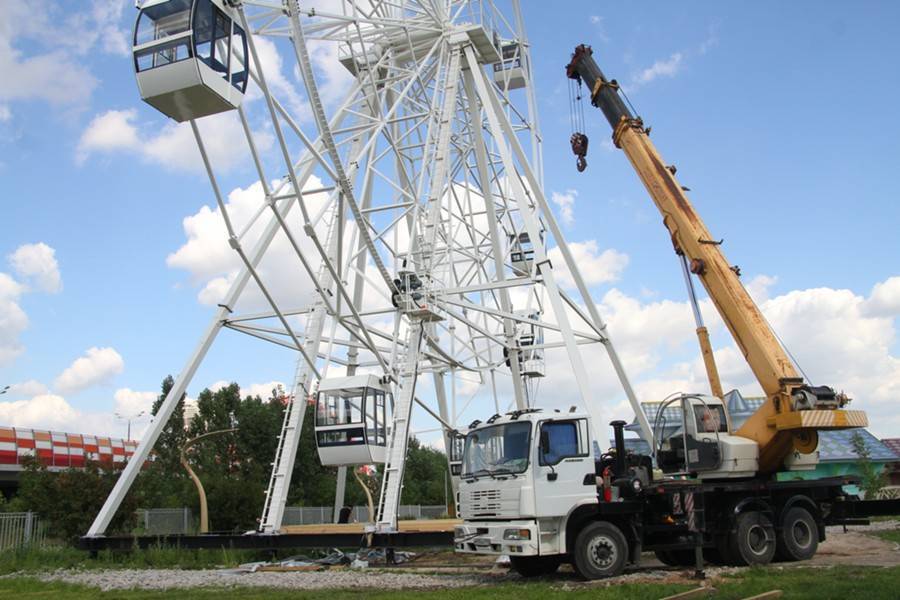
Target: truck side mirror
x: 545, y: 443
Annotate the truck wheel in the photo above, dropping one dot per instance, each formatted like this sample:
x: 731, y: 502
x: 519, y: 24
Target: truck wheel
x: 753, y: 542
x: 534, y: 566
x: 799, y: 536
x: 600, y: 551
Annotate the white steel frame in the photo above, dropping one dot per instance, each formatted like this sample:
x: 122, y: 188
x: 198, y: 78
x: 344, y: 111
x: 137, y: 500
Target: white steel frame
x: 426, y: 168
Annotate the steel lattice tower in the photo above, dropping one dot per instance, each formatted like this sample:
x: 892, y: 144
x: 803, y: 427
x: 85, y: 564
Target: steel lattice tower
x: 426, y: 244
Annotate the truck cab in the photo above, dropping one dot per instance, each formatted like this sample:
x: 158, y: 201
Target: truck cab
x: 522, y: 474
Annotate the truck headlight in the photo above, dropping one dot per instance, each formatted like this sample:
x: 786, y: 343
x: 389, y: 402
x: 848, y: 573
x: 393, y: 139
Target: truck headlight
x: 517, y: 534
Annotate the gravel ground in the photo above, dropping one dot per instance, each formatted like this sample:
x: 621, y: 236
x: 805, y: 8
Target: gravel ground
x: 851, y: 548
x: 162, y: 579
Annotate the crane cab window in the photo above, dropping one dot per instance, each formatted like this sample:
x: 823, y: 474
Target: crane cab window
x: 563, y: 439
x: 710, y: 419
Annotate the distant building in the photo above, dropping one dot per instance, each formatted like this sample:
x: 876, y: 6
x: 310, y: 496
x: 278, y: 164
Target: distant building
x: 191, y: 409
x: 893, y: 469
x: 55, y: 450
x: 836, y: 454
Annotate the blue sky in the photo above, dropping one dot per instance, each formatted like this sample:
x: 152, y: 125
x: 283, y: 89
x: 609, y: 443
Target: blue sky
x: 781, y: 118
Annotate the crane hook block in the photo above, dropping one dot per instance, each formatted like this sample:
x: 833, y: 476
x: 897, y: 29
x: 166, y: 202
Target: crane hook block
x: 579, y: 143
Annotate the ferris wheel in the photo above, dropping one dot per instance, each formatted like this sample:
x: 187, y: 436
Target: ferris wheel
x: 414, y: 210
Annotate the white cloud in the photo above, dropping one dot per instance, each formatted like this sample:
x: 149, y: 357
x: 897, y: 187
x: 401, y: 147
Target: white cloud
x: 211, y: 262
x: 108, y: 132
x: 884, y: 299
x: 37, y: 262
x: 566, y: 203
x: 595, y: 267
x: 96, y: 366
x: 599, y: 28
x: 130, y: 403
x: 263, y: 390
x: 45, y: 411
x: 28, y: 388
x: 661, y: 68
x: 174, y: 146
x: 53, y: 70
x: 5, y: 113
x: 13, y: 320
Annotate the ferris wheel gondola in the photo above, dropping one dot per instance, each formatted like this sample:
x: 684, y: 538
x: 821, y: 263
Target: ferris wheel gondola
x: 190, y: 57
x: 352, y: 417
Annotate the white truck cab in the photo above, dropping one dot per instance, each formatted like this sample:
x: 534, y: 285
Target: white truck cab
x: 522, y: 474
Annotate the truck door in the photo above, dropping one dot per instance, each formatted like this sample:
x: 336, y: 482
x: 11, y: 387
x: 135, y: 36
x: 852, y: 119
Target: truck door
x: 564, y: 463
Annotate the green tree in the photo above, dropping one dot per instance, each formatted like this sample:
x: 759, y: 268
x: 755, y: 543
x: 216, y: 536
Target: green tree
x: 167, y: 449
x: 69, y: 500
x: 427, y: 476
x: 874, y: 478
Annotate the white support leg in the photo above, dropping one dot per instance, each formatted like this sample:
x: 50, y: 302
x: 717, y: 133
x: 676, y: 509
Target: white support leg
x: 392, y: 479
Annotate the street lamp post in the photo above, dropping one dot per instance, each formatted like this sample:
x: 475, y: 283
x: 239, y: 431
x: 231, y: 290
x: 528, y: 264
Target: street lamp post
x: 129, y: 419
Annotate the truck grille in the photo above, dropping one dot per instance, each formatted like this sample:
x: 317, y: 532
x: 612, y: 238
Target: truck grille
x: 489, y: 503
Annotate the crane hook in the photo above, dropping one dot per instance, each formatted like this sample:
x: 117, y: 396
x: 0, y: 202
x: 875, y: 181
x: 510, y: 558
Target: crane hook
x: 579, y: 142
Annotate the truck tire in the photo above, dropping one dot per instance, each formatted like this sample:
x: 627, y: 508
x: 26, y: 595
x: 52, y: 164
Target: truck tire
x: 600, y: 551
x: 534, y: 566
x: 799, y: 536
x: 753, y: 541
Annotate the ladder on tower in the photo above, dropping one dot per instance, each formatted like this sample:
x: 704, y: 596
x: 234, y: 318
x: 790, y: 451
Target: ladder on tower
x: 295, y: 410
x: 392, y: 480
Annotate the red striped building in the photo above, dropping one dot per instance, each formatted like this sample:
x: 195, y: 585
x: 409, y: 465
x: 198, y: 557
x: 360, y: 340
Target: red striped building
x: 59, y: 450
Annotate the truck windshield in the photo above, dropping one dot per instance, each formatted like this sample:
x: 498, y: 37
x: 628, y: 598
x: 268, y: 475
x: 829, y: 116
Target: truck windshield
x: 501, y: 449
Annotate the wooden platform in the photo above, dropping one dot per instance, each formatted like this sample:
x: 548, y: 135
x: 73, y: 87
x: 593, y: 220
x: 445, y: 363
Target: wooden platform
x: 422, y: 526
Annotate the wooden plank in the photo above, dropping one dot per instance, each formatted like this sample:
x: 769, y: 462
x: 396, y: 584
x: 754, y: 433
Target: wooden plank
x: 766, y: 595
x: 694, y: 593
x: 425, y: 525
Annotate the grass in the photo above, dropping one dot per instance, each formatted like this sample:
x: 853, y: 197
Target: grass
x: 891, y: 535
x: 797, y: 582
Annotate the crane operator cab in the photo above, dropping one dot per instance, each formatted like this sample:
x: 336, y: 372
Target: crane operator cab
x: 352, y: 420
x: 190, y: 57
x: 699, y: 441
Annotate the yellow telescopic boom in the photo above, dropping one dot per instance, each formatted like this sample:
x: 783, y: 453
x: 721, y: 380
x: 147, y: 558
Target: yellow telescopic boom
x: 794, y: 411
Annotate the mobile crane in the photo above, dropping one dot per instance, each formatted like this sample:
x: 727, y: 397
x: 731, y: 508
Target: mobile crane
x: 531, y: 488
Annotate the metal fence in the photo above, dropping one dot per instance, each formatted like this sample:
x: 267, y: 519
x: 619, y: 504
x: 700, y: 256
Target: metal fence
x: 165, y: 521
x: 21, y: 529
x: 308, y: 515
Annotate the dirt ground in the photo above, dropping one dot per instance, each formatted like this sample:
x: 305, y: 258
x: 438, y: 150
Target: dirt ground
x: 857, y: 546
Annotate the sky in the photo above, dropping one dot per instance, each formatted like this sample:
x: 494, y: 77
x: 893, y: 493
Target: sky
x: 781, y: 119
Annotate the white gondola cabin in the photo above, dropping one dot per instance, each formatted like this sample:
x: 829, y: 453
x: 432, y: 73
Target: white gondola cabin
x: 190, y: 57
x: 508, y: 73
x: 353, y: 416
x: 530, y: 338
x: 521, y: 253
